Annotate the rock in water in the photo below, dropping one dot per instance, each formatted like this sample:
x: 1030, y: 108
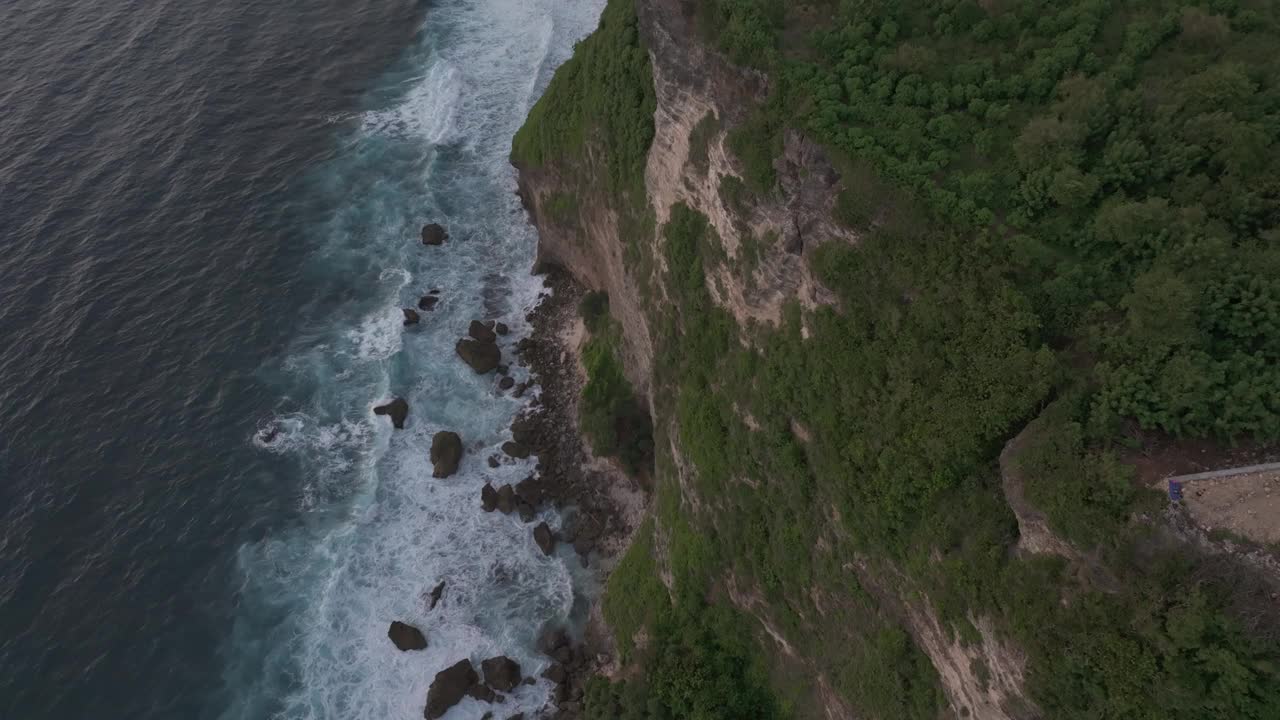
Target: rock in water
x: 488, y: 498
x: 428, y: 302
x: 482, y: 357
x: 398, y: 409
x: 446, y: 453
x: 501, y: 673
x: 506, y: 500
x: 555, y: 673
x: 546, y: 541
x: 434, y: 234
x: 515, y: 450
x: 506, y: 383
x: 411, y: 316
x: 501, y: 329
x: 448, y: 688
x: 436, y: 594
x: 552, y: 639
x: 482, y: 332
x: 482, y: 692
x: 406, y: 637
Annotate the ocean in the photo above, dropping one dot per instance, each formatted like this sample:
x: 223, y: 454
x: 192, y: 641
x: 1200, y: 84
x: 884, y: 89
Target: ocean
x: 210, y: 216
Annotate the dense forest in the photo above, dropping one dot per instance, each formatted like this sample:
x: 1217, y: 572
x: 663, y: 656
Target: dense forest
x: 1067, y: 210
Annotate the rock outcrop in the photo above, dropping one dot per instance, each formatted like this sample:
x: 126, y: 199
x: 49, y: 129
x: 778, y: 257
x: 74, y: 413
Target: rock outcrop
x: 483, y: 357
x: 448, y: 688
x: 434, y: 234
x: 406, y: 637
x: 397, y: 410
x: 501, y: 673
x: 446, y: 453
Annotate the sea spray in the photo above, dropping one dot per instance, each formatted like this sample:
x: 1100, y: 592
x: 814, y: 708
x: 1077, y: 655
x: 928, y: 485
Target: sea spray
x: 379, y: 532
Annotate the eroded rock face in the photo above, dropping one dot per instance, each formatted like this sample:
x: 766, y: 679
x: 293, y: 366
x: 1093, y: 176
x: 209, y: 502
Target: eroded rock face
x: 406, y: 637
x: 482, y: 357
x: 446, y: 453
x: 448, y: 688
x: 515, y: 450
x: 501, y: 673
x: 397, y: 410
x: 434, y: 234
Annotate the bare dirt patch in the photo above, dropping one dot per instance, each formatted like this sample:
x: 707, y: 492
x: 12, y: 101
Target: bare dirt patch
x: 1247, y: 505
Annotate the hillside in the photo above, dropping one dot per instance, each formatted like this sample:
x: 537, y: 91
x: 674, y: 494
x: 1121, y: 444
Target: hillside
x: 896, y: 305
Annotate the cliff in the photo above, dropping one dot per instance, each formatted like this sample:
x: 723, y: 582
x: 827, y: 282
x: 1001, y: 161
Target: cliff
x: 879, y: 483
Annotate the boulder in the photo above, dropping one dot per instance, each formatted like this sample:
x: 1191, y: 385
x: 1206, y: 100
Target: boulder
x: 448, y: 688
x: 397, y: 410
x: 501, y: 673
x: 436, y: 594
x: 406, y: 637
x: 434, y: 234
x: 545, y: 539
x: 520, y: 390
x: 506, y: 500
x: 527, y: 513
x: 525, y: 430
x: 488, y: 498
x: 411, y: 317
x: 501, y: 328
x: 428, y: 302
x: 515, y: 449
x: 481, y: 332
x: 482, y: 692
x: 506, y: 383
x: 446, y: 453
x: 552, y: 639
x: 494, y: 461
x: 482, y: 357
x: 556, y: 673
x: 531, y: 490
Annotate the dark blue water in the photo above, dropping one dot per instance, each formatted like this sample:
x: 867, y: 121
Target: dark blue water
x: 209, y: 214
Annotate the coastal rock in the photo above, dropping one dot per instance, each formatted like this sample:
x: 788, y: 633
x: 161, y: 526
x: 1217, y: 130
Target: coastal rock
x: 488, y: 498
x: 428, y: 302
x: 482, y: 357
x: 506, y: 383
x: 501, y: 673
x: 545, y: 539
x: 481, y: 332
x: 515, y: 450
x: 527, y: 513
x: 411, y: 317
x: 501, y: 328
x: 531, y: 490
x: 406, y: 637
x: 448, y: 688
x: 552, y: 639
x: 434, y: 234
x: 397, y: 410
x: 506, y: 500
x: 520, y: 390
x: 494, y: 461
x: 556, y: 673
x: 436, y: 594
x: 446, y: 453
x: 482, y: 692
x: 524, y: 430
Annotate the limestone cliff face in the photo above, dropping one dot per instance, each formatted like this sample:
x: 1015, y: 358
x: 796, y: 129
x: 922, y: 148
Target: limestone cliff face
x: 701, y: 97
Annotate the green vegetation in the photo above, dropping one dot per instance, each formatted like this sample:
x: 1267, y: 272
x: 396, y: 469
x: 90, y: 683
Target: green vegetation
x: 604, y: 94
x: 562, y: 208
x: 1066, y: 210
x: 611, y: 416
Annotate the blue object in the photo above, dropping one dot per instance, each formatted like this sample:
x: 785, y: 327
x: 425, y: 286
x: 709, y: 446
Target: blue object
x: 1175, y: 490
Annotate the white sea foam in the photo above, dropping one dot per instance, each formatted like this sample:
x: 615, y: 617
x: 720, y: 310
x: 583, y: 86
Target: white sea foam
x: 376, y: 532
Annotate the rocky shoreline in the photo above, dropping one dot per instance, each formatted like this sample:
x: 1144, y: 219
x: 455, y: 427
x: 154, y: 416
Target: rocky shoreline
x: 598, y: 503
